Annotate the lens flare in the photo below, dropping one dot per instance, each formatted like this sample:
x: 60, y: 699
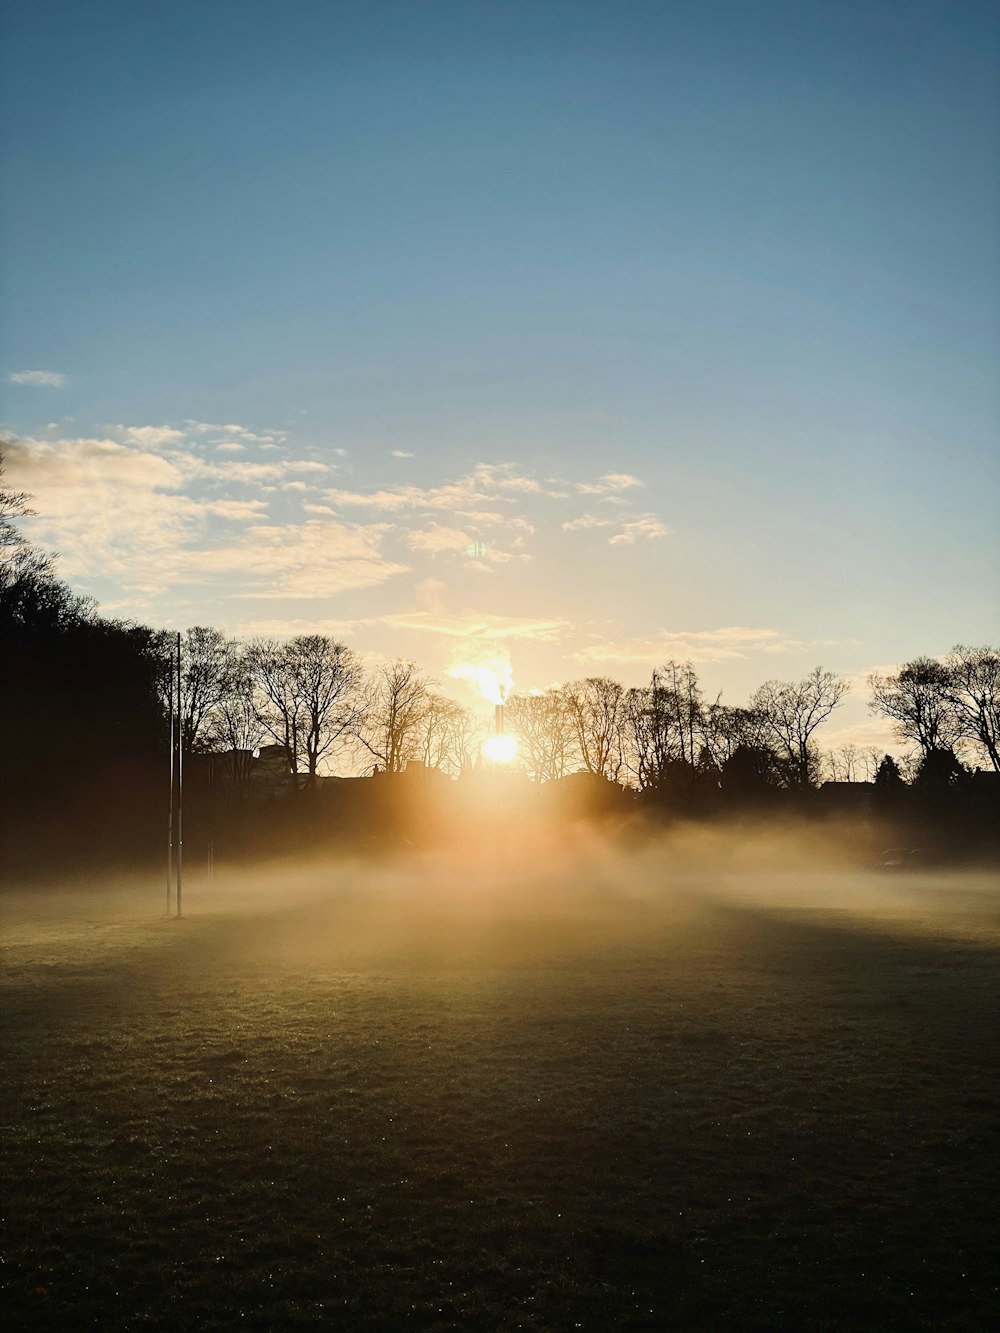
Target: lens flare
x: 500, y: 749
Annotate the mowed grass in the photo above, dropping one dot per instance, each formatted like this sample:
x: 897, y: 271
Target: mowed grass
x: 454, y: 1100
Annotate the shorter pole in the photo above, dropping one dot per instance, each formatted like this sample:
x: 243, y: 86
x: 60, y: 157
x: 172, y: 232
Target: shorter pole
x: 180, y: 782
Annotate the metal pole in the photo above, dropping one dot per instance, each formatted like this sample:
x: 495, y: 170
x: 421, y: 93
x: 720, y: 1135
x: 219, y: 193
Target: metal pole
x: 170, y: 798
x: 180, y: 782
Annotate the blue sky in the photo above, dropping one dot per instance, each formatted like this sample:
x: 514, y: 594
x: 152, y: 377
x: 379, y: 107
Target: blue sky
x: 743, y: 255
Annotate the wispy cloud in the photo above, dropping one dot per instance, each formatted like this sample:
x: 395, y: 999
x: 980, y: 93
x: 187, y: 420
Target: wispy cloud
x: 159, y: 508
x: 151, y: 437
x: 627, y: 530
x: 487, y: 507
x: 236, y: 510
x: 39, y: 379
x: 140, y: 516
x: 487, y: 484
x: 585, y: 522
x: 645, y: 527
x: 286, y: 561
x: 113, y: 511
x: 477, y: 626
x: 238, y: 471
x: 400, y: 453
x: 611, y: 483
x: 438, y: 540
x: 223, y: 433
x: 285, y: 627
x: 728, y: 643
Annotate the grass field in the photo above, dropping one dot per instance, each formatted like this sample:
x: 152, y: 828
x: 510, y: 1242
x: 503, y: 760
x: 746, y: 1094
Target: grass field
x: 437, y: 1097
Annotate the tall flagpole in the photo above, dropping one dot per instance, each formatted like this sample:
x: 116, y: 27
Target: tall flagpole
x: 170, y: 798
x: 180, y: 782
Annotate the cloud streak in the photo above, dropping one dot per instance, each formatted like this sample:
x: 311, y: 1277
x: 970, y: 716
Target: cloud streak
x: 612, y: 483
x: 473, y: 625
x: 151, y: 519
x: 224, y: 515
x: 39, y: 379
x: 725, y: 644
x: 494, y: 498
x: 644, y: 527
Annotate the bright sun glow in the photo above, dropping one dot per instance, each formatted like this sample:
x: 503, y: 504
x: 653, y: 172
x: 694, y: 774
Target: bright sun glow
x: 500, y: 749
x: 492, y: 676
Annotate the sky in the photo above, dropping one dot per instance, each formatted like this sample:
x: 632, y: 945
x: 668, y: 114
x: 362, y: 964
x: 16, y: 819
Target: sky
x: 590, y: 333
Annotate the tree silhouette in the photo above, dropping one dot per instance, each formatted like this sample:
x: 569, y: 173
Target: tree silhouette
x: 84, y: 733
x: 444, y: 737
x: 668, y: 727
x: 398, y: 699
x: 13, y: 505
x: 595, y: 707
x: 973, y: 691
x: 792, y: 712
x: 234, y: 729
x: 916, y: 698
x: 207, y: 664
x: 889, y: 778
x: 939, y: 771
x: 80, y: 714
x: 750, y: 775
x: 308, y: 694
x: 546, y: 733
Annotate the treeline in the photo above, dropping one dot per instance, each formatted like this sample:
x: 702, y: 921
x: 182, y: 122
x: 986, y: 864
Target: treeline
x: 80, y: 715
x: 87, y: 704
x: 310, y: 695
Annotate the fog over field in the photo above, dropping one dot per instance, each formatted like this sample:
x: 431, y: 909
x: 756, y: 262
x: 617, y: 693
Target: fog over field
x: 568, y: 888
x: 698, y: 1086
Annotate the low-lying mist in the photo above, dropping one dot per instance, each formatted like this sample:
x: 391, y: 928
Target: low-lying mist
x: 547, y: 1078
x: 515, y: 896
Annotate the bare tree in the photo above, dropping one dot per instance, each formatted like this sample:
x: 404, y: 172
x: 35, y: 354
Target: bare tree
x: 641, y: 739
x: 792, y: 712
x: 852, y: 763
x: 973, y: 690
x: 596, y: 707
x: 398, y: 699
x: 276, y: 700
x: 30, y: 592
x: 647, y: 744
x: 546, y: 732
x: 207, y: 662
x: 13, y: 504
x: 726, y: 728
x: 679, y: 699
x: 848, y: 764
x: 308, y: 696
x: 444, y: 735
x: 871, y: 759
x: 234, y: 727
x: 327, y: 682
x: 665, y: 728
x: 917, y: 698
x: 832, y: 766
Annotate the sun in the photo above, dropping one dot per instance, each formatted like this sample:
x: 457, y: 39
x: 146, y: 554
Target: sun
x: 500, y: 749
